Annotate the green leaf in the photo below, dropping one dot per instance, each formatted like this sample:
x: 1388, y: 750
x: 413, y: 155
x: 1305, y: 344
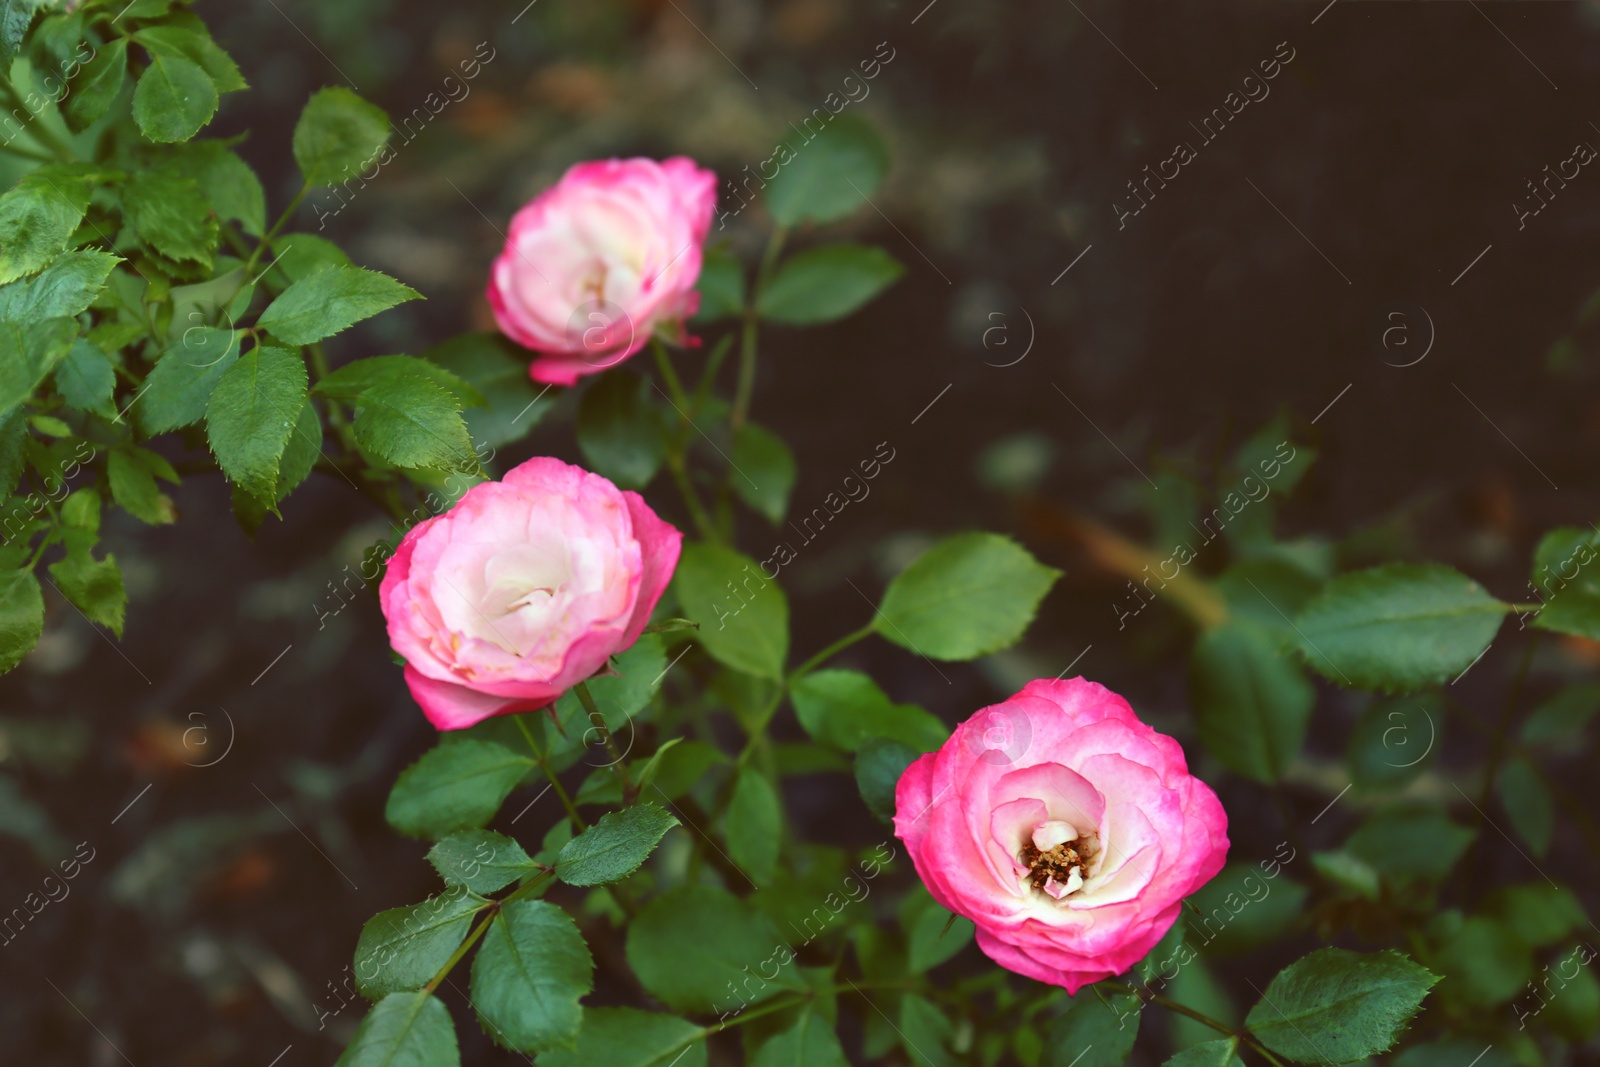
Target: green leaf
x: 769, y: 471
x: 828, y: 175
x: 1251, y: 703
x: 300, y: 255
x: 614, y: 847
x: 328, y: 301
x: 1539, y: 913
x: 925, y: 1032
x: 171, y: 215
x: 28, y: 354
x: 1575, y: 1014
x: 1398, y: 627
x: 184, y: 35
x: 13, y: 449
x: 132, y: 474
x: 94, y: 586
x: 1484, y: 963
x: 229, y: 184
x: 1241, y: 908
x: 620, y: 431
x: 63, y: 289
x: 302, y: 451
x: 1561, y: 719
x: 97, y: 86
x: 15, y: 18
x: 683, y: 765
x: 810, y: 1042
x: 175, y: 97
x: 846, y: 708
x: 743, y: 616
x: 487, y: 362
x: 688, y: 943
x: 827, y: 283
x: 338, y: 135
x: 86, y: 380
x: 1223, y: 1052
x: 481, y: 860
x: 21, y: 616
x: 627, y: 1037
x: 179, y: 386
x: 458, y: 785
x: 1528, y: 804
x: 1336, y: 1006
x: 414, y: 423
x: 528, y: 977
x: 1348, y: 872
x: 1420, y: 843
x: 753, y: 826
x: 1568, y: 582
x: 879, y: 765
x: 252, y: 415
x: 404, y: 1030
x: 403, y: 948
x: 37, y: 218
x: 965, y: 597
x: 1102, y: 1031
x: 351, y: 380
x: 721, y: 286
x: 1453, y: 1052
x: 1394, y: 742
x: 933, y: 935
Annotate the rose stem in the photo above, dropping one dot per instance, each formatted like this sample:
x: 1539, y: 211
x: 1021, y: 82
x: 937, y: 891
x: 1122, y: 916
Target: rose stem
x: 675, y: 448
x: 747, y: 348
x: 483, y: 924
x: 555, y: 782
x: 629, y: 790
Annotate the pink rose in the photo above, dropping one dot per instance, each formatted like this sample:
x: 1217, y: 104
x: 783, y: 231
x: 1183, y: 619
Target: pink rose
x: 522, y: 590
x: 596, y: 263
x: 1064, y: 827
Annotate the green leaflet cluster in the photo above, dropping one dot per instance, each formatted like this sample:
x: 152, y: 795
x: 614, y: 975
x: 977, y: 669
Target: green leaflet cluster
x: 151, y: 319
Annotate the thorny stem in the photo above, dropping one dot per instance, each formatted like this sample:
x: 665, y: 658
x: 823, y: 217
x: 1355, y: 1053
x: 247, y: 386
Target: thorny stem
x: 555, y: 782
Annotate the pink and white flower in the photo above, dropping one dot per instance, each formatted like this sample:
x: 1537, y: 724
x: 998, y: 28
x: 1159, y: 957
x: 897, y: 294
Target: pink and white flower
x: 1067, y: 830
x: 523, y: 589
x: 598, y: 262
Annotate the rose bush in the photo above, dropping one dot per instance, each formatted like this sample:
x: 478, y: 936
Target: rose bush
x: 523, y: 589
x: 594, y: 265
x: 153, y: 322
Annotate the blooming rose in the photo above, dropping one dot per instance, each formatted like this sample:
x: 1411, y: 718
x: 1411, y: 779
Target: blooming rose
x: 594, y: 264
x: 522, y: 590
x: 1064, y: 827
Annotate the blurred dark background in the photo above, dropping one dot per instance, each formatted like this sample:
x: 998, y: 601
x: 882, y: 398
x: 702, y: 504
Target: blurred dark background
x: 220, y: 909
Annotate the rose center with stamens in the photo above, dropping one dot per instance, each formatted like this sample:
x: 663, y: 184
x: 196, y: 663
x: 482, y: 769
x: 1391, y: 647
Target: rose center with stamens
x: 1057, y: 858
